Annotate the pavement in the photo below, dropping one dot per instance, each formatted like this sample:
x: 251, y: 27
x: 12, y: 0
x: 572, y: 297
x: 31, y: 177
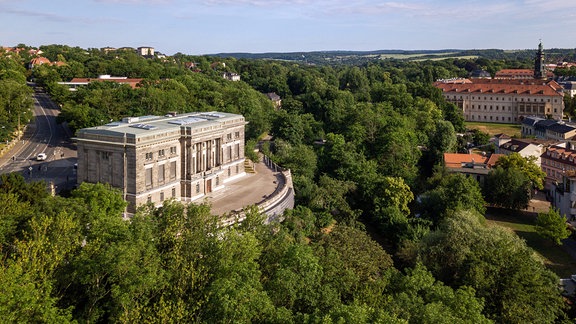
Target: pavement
x: 250, y: 189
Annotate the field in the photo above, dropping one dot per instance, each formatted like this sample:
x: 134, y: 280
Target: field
x: 512, y: 130
x: 522, y: 223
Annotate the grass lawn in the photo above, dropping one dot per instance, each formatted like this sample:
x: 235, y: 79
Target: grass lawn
x: 495, y: 128
x: 522, y: 223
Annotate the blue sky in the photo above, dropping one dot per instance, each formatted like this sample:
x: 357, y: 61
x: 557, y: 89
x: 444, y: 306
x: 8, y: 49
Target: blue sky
x: 213, y: 26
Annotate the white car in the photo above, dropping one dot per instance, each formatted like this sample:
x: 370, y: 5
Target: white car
x: 41, y: 157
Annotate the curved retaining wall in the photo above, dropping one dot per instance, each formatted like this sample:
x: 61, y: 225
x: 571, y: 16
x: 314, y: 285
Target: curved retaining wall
x: 274, y: 204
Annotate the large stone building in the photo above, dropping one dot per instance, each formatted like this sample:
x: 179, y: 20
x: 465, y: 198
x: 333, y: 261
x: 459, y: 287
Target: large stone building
x: 504, y: 101
x: 155, y: 158
x: 508, y: 98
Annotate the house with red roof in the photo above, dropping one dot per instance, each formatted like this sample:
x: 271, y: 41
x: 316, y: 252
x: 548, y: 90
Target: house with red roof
x: 473, y: 164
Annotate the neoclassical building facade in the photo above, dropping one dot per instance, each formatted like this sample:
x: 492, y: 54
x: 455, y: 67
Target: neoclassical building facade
x: 154, y: 158
x: 511, y: 96
x: 504, y: 100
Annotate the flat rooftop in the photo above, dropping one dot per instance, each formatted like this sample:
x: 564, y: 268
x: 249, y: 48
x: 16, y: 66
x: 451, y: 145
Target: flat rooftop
x: 148, y: 125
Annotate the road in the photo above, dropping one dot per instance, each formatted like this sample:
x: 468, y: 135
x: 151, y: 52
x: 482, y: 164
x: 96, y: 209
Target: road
x: 43, y: 135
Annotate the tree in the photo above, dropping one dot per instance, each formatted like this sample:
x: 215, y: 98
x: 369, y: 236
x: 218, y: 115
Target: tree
x: 552, y: 226
x: 507, y: 188
x: 452, y: 191
x: 527, y: 165
x: 442, y: 140
x: 502, y: 269
x: 418, y: 297
x: 353, y: 264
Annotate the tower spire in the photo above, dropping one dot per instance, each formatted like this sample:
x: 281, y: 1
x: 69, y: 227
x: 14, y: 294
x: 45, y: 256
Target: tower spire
x: 539, y: 72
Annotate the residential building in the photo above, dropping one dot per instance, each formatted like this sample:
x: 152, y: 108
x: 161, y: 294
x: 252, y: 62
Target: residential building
x: 525, y: 147
x: 276, y: 100
x: 547, y: 129
x: 556, y: 161
x: 562, y: 195
x: 569, y: 85
x: 231, y: 76
x: 474, y: 165
x: 108, y: 49
x: 541, y: 126
x: 528, y: 126
x: 500, y: 139
x: 560, y: 131
x: 145, y: 51
x: 153, y: 158
x: 481, y: 74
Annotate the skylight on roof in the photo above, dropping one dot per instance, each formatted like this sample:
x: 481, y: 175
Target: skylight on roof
x: 143, y: 126
x: 186, y: 121
x: 212, y: 115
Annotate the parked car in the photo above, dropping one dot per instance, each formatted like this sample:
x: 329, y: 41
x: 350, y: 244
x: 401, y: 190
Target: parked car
x: 41, y: 157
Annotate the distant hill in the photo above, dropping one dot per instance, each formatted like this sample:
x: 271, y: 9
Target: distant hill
x: 355, y: 57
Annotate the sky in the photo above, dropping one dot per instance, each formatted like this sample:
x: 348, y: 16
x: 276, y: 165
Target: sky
x: 198, y: 27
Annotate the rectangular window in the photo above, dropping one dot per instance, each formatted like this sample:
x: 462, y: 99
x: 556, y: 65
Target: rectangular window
x: 149, y: 177
x: 161, y: 173
x: 161, y: 153
x: 197, y: 187
x: 172, y: 170
x: 161, y: 195
x: 237, y: 134
x: 173, y: 150
x: 149, y: 156
x: 173, y: 192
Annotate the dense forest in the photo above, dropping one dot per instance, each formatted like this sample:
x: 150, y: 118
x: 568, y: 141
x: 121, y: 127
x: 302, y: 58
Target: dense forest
x: 380, y: 232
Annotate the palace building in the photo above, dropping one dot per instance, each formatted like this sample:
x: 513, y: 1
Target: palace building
x: 154, y: 158
x: 506, y: 100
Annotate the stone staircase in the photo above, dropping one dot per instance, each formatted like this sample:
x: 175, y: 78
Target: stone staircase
x: 249, y: 166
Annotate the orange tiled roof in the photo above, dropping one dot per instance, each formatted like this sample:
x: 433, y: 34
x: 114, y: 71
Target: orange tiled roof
x: 562, y: 152
x: 455, y: 160
x: 493, y: 159
x: 515, y: 71
x: 518, y: 73
x: 502, y: 86
x: 39, y: 61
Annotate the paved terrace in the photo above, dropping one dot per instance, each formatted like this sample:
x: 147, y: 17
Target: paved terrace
x: 251, y: 189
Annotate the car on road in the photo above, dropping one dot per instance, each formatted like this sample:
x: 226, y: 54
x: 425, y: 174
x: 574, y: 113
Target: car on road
x: 41, y: 157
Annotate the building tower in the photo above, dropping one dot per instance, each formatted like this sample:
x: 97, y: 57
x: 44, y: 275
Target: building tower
x: 539, y: 72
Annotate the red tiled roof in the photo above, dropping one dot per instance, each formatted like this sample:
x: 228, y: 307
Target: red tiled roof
x: 515, y: 72
x: 502, y: 86
x: 493, y: 159
x: 455, y: 160
x: 563, y: 153
x: 518, y: 73
x: 39, y: 61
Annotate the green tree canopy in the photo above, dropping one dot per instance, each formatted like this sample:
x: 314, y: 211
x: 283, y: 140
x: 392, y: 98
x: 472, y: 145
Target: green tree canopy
x: 552, y: 226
